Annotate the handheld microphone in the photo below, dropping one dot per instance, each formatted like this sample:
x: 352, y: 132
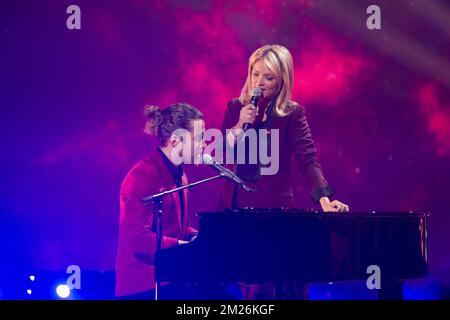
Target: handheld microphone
x: 256, y: 93
x: 207, y: 159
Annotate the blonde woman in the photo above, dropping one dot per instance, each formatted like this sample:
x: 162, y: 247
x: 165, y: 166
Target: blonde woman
x: 271, y: 70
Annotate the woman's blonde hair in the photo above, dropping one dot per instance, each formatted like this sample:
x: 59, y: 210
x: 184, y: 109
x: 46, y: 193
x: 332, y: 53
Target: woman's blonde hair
x: 279, y: 60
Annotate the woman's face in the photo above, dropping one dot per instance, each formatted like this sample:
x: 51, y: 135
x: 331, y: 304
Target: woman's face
x: 264, y: 78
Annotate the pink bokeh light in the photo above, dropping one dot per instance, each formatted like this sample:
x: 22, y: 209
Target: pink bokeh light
x: 437, y: 116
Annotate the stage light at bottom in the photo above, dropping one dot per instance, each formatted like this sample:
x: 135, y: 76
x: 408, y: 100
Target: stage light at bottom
x: 63, y: 291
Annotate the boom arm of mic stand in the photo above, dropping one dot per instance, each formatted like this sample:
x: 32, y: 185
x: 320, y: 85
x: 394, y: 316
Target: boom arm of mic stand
x: 157, y: 199
x: 247, y: 188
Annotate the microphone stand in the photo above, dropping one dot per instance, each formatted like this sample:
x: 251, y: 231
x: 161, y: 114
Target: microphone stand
x: 157, y: 200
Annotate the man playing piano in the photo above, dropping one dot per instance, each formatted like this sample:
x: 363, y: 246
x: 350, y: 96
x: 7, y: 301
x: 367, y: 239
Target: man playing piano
x: 160, y: 170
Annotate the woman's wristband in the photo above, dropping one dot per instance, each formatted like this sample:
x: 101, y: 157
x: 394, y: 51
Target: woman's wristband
x: 236, y: 132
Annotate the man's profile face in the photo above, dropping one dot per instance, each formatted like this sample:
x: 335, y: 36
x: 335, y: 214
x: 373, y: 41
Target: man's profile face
x: 189, y: 145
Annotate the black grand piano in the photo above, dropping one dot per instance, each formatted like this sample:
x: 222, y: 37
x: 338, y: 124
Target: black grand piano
x: 264, y: 245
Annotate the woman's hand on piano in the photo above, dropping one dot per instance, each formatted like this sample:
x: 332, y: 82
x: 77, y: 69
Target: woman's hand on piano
x: 333, y: 206
x: 193, y: 236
